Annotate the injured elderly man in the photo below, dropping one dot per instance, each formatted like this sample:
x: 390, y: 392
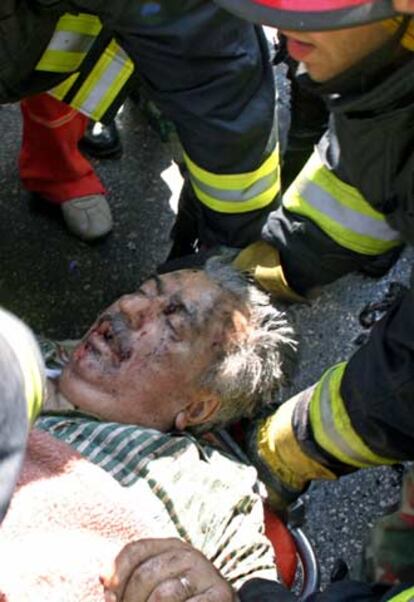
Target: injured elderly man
x: 189, y: 349
x: 188, y: 352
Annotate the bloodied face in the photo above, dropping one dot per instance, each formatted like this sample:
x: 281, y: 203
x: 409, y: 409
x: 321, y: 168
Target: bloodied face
x: 142, y: 360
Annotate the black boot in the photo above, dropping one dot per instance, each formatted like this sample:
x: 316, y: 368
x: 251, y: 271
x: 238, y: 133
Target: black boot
x: 101, y: 141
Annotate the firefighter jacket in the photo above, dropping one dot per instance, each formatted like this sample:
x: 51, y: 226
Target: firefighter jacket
x: 206, y: 70
x: 352, y: 206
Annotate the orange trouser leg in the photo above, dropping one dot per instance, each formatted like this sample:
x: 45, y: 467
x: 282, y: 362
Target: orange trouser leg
x: 50, y: 162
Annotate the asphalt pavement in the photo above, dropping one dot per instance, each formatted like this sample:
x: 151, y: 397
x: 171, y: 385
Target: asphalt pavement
x: 58, y: 284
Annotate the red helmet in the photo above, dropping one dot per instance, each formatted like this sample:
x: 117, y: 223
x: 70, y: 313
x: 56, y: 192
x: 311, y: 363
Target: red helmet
x: 310, y: 15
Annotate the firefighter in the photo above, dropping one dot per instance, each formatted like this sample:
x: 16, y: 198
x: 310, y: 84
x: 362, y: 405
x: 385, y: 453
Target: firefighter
x: 351, y: 208
x: 206, y: 70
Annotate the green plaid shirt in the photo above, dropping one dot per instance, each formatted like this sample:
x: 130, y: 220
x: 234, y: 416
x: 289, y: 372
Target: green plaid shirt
x: 195, y: 491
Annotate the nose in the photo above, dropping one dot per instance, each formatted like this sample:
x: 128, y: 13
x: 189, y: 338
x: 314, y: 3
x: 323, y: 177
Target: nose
x: 134, y: 307
x: 138, y: 308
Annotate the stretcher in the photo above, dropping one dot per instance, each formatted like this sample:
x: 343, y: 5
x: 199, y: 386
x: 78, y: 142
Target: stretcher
x: 295, y: 556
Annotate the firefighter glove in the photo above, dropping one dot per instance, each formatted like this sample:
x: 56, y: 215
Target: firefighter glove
x: 262, y: 261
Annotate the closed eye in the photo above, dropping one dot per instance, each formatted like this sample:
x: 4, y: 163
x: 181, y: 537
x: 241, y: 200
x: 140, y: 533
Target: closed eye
x: 175, y: 334
x: 175, y: 309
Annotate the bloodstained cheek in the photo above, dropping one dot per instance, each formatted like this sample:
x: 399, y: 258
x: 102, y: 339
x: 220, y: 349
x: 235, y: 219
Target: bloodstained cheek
x: 79, y: 352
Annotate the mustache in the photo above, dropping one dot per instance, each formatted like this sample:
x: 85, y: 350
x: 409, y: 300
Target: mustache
x: 117, y: 321
x: 118, y: 335
x: 119, y: 324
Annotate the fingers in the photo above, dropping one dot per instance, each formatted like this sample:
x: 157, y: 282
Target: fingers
x: 165, y: 570
x: 175, y: 590
x: 158, y: 573
x: 133, y: 556
x: 178, y: 589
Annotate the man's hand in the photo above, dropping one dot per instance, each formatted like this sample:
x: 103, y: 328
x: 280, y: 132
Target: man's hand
x: 164, y: 570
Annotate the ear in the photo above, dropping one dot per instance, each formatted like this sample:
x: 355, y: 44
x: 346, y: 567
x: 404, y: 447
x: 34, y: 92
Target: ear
x: 198, y: 411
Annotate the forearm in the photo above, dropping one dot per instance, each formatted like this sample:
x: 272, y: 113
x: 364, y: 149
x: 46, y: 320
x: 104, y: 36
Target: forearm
x: 310, y: 258
x: 358, y: 415
x: 325, y: 228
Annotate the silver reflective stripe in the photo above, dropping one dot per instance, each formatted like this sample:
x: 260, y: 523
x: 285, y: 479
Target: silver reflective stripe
x: 68, y: 41
x: 103, y: 84
x: 330, y: 429
x: 346, y: 217
x: 239, y: 195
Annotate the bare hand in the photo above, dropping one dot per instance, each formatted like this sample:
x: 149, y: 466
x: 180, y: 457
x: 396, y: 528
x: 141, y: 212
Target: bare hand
x: 165, y: 570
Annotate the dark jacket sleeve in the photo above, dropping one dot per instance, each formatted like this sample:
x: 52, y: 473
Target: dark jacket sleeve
x: 302, y: 231
x: 382, y: 371
x: 309, y: 257
x: 356, y: 591
x: 260, y: 590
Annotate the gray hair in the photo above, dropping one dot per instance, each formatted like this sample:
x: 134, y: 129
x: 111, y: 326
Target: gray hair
x: 250, y: 369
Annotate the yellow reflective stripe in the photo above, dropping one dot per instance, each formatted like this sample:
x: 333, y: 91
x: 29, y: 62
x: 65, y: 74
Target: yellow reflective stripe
x: 73, y: 37
x: 81, y: 23
x: 22, y: 342
x: 349, y: 196
x: 237, y: 193
x: 339, y: 210
x: 262, y: 200
x: 406, y: 596
x: 234, y: 181
x: 60, y: 61
x: 62, y: 89
x: 332, y: 427
x: 104, y: 83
